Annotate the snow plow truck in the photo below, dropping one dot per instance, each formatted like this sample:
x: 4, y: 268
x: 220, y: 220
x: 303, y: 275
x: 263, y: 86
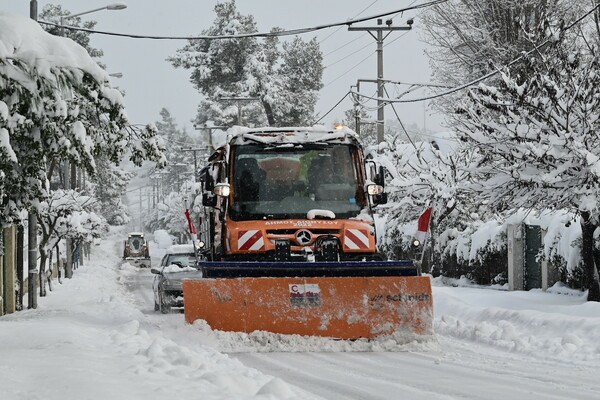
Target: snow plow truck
x: 136, y: 250
x: 290, y: 242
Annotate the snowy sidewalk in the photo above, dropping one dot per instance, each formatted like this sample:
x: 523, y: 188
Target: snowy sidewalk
x: 86, y: 340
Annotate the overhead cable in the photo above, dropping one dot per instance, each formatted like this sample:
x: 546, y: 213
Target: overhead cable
x: 288, y: 32
x: 480, y: 79
x: 331, y: 109
x: 334, y: 32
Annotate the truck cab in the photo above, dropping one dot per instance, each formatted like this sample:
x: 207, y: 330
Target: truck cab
x: 291, y: 194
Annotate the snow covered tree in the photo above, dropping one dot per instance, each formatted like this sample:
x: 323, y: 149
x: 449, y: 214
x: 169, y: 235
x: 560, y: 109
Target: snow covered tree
x: 285, y: 78
x: 179, y: 167
x: 470, y: 38
x: 66, y: 214
x: 427, y: 174
x: 534, y: 137
x: 56, y: 104
x: 108, y: 186
x: 169, y: 215
x: 53, y: 13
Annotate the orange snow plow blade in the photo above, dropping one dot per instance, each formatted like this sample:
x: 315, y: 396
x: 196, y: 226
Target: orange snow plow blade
x: 336, y: 307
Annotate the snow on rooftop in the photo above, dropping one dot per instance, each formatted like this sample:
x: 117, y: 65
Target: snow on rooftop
x: 283, y: 135
x: 181, y: 249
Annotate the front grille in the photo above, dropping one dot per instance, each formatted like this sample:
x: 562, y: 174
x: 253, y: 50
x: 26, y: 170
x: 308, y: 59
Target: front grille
x: 281, y: 231
x: 325, y: 231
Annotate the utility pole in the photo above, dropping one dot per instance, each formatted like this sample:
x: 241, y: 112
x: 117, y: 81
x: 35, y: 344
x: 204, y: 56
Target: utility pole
x: 357, y: 117
x: 32, y: 272
x: 210, y: 129
x: 379, y: 38
x: 239, y: 101
x: 202, y: 149
x: 357, y: 110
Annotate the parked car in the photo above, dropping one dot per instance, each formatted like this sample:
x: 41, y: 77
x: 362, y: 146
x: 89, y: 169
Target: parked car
x: 179, y: 263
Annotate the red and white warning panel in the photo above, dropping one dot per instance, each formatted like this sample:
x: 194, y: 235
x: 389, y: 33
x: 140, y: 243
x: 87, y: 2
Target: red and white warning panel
x: 356, y: 239
x: 251, y: 240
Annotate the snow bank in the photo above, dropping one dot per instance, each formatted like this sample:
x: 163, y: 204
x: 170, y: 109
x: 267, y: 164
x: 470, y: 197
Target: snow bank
x: 546, y: 325
x: 88, y: 339
x: 163, y: 239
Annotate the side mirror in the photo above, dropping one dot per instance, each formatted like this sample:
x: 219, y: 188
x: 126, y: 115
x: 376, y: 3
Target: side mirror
x: 380, y: 176
x: 155, y: 270
x: 209, y: 200
x: 209, y: 183
x: 380, y: 199
x: 374, y: 189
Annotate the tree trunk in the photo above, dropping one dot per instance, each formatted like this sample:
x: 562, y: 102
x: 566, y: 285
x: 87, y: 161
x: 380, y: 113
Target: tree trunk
x: 42, y: 275
x: 587, y: 252
x: 269, y: 112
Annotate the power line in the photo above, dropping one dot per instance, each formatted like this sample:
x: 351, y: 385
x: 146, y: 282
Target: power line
x: 343, y: 74
x: 362, y: 61
x: 288, y: 32
x: 349, y: 55
x: 482, y: 78
x: 337, y: 30
x: 332, y: 108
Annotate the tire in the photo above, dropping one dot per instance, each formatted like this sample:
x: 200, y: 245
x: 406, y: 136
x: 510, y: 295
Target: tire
x: 164, y: 303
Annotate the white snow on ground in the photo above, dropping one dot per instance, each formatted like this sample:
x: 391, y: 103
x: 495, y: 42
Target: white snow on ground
x: 559, y: 325
x: 96, y: 336
x: 88, y: 340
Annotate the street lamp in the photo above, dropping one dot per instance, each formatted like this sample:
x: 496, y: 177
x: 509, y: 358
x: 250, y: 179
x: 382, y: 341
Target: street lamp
x: 113, y: 6
x: 116, y: 74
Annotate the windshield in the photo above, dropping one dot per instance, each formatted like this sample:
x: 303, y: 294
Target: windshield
x: 288, y: 182
x: 185, y: 260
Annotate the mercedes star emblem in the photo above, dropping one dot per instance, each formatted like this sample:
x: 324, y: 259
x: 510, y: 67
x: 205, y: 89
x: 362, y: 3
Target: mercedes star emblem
x: 303, y: 237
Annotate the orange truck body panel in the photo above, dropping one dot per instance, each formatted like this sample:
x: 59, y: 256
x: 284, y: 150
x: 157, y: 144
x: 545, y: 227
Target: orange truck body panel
x: 340, y: 307
x: 355, y: 236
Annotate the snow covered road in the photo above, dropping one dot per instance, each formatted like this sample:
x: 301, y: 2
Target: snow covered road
x: 97, y: 336
x: 499, y: 357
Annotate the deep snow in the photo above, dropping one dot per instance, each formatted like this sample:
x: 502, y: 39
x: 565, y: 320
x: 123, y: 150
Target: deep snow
x: 92, y: 337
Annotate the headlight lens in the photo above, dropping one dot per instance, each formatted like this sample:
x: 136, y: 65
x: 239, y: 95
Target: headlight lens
x: 222, y: 189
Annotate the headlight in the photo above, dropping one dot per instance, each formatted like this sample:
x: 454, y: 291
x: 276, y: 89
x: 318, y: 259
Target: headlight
x: 416, y: 243
x: 222, y: 189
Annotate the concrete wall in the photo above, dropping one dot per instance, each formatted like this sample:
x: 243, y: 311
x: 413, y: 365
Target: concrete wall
x: 516, y: 257
x: 516, y: 261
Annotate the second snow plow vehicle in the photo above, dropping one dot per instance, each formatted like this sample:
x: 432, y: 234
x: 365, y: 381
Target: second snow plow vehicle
x: 136, y: 251
x: 289, y: 214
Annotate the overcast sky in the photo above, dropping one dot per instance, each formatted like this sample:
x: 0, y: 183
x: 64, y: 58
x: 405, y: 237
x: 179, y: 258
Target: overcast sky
x: 151, y: 83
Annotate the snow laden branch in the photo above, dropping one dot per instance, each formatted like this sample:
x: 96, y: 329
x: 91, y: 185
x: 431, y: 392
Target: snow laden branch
x: 56, y: 105
x: 535, y: 136
x: 279, y: 82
